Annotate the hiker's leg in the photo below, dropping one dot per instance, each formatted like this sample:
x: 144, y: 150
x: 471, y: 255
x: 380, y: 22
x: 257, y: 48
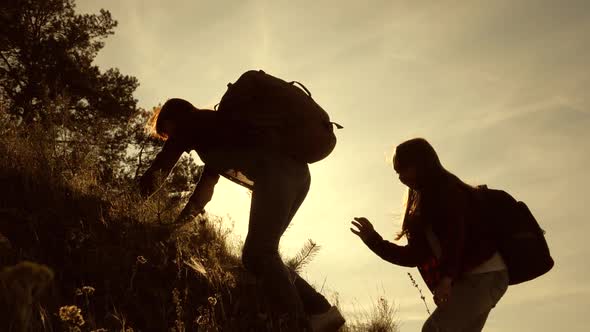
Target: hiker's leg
x: 278, y: 183
x: 300, y: 196
x: 478, y: 323
x: 472, y: 298
x: 313, y: 302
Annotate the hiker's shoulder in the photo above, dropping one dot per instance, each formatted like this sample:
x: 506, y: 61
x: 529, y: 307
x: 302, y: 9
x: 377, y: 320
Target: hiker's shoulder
x: 455, y: 194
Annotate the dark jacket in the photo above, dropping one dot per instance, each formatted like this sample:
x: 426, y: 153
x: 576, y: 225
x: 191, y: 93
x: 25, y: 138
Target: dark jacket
x: 465, y: 240
x: 205, y: 131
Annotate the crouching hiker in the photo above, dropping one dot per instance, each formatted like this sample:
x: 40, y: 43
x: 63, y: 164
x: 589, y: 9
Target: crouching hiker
x: 453, y: 249
x: 248, y: 141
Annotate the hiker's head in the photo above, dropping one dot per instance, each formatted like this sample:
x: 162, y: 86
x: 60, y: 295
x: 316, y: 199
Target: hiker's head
x: 430, y: 185
x: 166, y: 119
x: 417, y: 164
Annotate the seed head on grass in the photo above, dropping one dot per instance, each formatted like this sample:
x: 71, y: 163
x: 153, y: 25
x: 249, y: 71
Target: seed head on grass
x: 72, y: 315
x: 86, y: 290
x: 420, y: 291
x: 304, y: 256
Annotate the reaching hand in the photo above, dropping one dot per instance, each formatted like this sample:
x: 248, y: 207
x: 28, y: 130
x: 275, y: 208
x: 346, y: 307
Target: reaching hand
x: 365, y: 228
x: 442, y: 292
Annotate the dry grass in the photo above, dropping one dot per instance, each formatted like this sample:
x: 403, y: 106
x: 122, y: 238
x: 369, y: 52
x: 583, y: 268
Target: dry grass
x: 381, y: 317
x: 105, y: 260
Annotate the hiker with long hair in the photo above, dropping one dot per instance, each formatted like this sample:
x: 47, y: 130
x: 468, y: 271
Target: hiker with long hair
x: 446, y: 239
x: 279, y: 184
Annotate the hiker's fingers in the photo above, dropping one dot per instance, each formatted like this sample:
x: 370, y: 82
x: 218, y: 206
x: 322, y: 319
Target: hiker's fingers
x: 364, y: 221
x: 360, y: 226
x: 363, y: 235
x: 363, y: 231
x: 442, y: 292
x: 440, y: 301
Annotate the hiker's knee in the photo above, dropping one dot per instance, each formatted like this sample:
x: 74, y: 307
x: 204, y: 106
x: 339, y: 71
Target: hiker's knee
x: 256, y: 259
x: 250, y: 258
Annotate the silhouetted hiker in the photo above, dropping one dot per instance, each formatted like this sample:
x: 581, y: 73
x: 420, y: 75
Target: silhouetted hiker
x: 279, y: 184
x: 454, y: 252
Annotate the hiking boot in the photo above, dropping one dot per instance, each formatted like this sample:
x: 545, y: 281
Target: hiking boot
x: 329, y: 321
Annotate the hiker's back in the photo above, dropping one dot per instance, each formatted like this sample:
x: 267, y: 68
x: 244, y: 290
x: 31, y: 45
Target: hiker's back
x: 282, y: 116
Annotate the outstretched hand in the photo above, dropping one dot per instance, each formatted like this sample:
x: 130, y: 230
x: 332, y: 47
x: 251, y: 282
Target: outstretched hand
x: 364, y: 229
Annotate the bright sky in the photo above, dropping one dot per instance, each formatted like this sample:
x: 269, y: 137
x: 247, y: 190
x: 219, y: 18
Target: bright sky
x: 500, y: 88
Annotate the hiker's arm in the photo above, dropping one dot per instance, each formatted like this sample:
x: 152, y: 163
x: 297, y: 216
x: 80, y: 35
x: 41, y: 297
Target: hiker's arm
x: 201, y: 196
x: 391, y: 252
x: 160, y: 168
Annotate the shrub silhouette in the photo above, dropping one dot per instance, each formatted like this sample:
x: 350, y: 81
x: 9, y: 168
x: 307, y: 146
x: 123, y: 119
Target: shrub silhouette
x: 108, y: 261
x: 145, y: 274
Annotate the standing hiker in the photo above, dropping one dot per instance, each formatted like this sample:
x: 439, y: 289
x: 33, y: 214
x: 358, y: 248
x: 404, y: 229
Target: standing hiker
x: 453, y: 250
x: 234, y: 144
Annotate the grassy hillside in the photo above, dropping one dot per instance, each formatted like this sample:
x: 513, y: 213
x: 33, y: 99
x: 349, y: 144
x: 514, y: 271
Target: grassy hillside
x: 81, y: 253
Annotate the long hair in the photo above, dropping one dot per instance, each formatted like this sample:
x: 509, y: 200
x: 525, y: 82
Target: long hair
x: 174, y: 109
x: 431, y: 176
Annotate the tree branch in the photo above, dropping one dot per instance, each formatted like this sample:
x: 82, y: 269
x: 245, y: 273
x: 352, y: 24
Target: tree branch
x: 11, y: 72
x: 6, y: 61
x: 139, y: 162
x: 8, y: 91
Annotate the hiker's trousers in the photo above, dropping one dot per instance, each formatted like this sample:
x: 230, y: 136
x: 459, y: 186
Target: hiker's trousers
x: 472, y: 298
x: 280, y: 186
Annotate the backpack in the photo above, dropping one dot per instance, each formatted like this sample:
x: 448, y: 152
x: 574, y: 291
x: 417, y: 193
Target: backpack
x: 520, y: 239
x: 282, y: 116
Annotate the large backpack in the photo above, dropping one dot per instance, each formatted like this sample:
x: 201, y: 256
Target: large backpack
x: 283, y: 116
x: 521, y: 241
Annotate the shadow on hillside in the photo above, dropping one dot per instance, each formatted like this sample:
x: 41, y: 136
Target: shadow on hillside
x: 103, y: 260
x: 78, y: 253
x: 143, y: 276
